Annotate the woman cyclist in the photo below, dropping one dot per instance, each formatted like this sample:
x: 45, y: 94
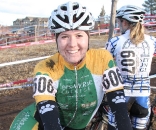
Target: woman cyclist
x: 70, y: 85
x: 133, y: 52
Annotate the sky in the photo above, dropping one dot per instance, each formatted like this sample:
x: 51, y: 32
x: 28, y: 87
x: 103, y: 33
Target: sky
x: 10, y: 10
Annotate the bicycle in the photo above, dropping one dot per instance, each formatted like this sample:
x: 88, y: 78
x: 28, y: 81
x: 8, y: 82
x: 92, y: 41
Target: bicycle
x: 100, y: 120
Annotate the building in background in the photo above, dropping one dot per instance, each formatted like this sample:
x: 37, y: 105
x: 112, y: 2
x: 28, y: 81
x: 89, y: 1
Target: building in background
x: 27, y: 29
x: 102, y: 22
x: 30, y: 25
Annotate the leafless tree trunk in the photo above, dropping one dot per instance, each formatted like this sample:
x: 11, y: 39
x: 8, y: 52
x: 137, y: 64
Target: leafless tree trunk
x: 112, y: 19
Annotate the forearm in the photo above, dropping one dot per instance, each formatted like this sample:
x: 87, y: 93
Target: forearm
x: 49, y: 114
x: 116, y: 101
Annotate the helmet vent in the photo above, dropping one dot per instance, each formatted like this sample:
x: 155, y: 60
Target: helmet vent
x: 75, y: 7
x: 141, y: 16
x: 85, y: 21
x: 56, y: 24
x: 64, y: 8
x: 66, y: 20
x: 55, y: 10
x: 128, y: 10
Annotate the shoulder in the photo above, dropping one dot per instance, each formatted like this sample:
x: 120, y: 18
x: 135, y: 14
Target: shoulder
x: 101, y: 52
x: 150, y: 37
x: 119, y: 38
x: 47, y: 64
x: 114, y: 39
x: 116, y: 42
x: 151, y: 40
x: 99, y: 60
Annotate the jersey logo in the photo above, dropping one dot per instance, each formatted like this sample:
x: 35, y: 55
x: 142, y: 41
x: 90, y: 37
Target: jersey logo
x: 112, y: 79
x: 46, y: 108
x: 119, y: 99
x: 43, y: 84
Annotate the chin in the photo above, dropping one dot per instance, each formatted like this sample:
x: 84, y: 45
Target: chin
x: 74, y: 62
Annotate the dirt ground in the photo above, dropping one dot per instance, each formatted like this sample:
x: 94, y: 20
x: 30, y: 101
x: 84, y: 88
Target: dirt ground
x: 14, y: 100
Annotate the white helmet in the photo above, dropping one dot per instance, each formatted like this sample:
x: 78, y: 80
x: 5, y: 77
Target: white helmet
x: 70, y: 16
x: 131, y: 13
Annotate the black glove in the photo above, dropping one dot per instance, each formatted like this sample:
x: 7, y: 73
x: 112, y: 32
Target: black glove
x: 116, y: 101
x: 49, y: 115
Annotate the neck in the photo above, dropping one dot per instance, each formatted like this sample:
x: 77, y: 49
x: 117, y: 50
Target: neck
x: 75, y: 64
x: 124, y: 30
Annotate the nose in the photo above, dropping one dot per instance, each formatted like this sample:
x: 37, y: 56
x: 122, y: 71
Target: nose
x: 72, y: 41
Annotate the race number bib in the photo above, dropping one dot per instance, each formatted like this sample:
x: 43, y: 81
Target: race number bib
x: 43, y: 85
x: 112, y: 79
x: 128, y: 61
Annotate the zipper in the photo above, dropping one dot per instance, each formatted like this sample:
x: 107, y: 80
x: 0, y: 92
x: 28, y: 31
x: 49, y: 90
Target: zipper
x: 76, y: 96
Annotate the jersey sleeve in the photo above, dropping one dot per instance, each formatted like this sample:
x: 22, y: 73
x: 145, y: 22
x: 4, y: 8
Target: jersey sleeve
x: 111, y: 45
x: 111, y: 79
x: 108, y: 46
x: 43, y: 88
x: 44, y: 94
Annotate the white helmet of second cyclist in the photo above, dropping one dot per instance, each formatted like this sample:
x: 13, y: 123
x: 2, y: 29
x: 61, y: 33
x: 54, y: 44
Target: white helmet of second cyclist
x: 70, y: 16
x: 131, y: 13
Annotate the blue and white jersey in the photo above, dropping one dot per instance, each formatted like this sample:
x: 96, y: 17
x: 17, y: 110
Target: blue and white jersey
x: 134, y: 62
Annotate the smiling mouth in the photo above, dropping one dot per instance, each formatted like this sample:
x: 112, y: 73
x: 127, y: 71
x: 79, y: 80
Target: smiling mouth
x: 72, y: 52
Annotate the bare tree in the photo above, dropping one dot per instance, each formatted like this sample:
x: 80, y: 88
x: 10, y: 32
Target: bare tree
x: 112, y: 19
x: 102, y: 13
x: 150, y: 6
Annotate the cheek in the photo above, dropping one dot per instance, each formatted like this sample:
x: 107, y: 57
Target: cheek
x: 85, y: 43
x: 61, y: 44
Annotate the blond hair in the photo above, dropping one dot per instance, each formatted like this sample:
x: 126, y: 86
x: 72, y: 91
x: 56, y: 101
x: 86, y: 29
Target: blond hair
x: 137, y: 33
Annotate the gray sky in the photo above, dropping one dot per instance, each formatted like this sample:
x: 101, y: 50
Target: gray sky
x: 10, y: 10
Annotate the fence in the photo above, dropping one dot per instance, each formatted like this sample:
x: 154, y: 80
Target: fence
x: 29, y: 81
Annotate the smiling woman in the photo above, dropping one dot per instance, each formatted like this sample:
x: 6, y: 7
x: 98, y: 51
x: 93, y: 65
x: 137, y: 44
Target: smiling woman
x: 72, y: 45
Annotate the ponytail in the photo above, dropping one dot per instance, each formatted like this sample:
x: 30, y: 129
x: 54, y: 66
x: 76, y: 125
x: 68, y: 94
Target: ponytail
x: 137, y: 32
